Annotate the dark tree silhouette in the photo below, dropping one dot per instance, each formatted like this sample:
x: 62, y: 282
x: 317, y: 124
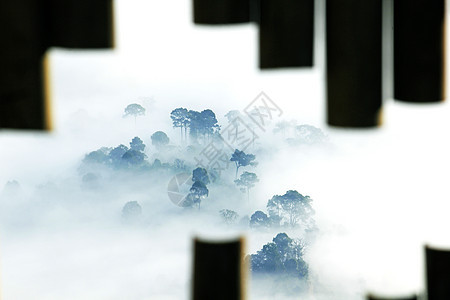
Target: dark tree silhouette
x: 259, y: 219
x: 209, y: 123
x: 180, y: 118
x: 134, y: 110
x: 247, y: 181
x: 115, y: 155
x: 202, y: 124
x: 133, y: 158
x: 282, y: 256
x: 242, y: 160
x: 137, y: 144
x: 197, y: 193
x: 100, y: 156
x: 200, y: 174
x: 160, y: 139
x: 292, y: 207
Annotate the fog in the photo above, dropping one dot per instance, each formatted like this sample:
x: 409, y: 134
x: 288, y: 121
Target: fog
x: 379, y: 195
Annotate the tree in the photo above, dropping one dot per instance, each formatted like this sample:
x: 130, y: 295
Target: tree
x: 283, y: 126
x: 292, y: 207
x: 137, y: 144
x: 134, y: 110
x: 115, y: 155
x: 133, y: 158
x: 233, y: 115
x: 209, y: 124
x: 180, y: 119
x: 202, y: 124
x: 197, y: 193
x: 259, y: 219
x: 131, y: 210
x: 229, y: 216
x: 195, y: 124
x: 100, y: 156
x: 160, y: 139
x: 307, y: 134
x: 247, y: 180
x: 282, y: 256
x: 242, y: 160
x: 200, y: 174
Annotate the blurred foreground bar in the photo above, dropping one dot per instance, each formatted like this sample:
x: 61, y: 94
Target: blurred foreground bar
x: 219, y: 270
x: 217, y: 12
x: 22, y: 97
x: 373, y: 297
x: 286, y: 33
x: 419, y: 50
x: 79, y: 24
x: 28, y: 28
x: 437, y: 273
x: 354, y: 89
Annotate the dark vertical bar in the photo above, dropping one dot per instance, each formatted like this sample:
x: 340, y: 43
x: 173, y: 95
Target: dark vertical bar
x: 286, y: 33
x: 216, y: 12
x: 22, y: 95
x: 437, y: 273
x: 372, y: 297
x: 79, y: 23
x: 354, y: 89
x: 419, y: 50
x: 218, y: 270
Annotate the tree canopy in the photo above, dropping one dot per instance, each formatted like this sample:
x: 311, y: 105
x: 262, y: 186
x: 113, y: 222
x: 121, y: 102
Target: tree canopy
x: 292, y: 207
x: 281, y: 256
x: 241, y: 159
x: 134, y: 110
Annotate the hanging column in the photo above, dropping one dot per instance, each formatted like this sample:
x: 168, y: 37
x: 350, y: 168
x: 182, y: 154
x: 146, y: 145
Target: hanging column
x: 353, y: 37
x: 218, y: 270
x: 28, y: 28
x: 286, y: 33
x: 217, y: 12
x: 419, y: 50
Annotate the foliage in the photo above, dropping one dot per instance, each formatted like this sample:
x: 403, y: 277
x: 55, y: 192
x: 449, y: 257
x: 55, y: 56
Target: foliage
x: 131, y: 210
x: 137, y: 144
x: 241, y: 159
x: 100, y: 156
x: 259, y: 220
x: 134, y: 110
x: 247, y: 180
x: 133, y: 158
x: 200, y: 174
x: 115, y: 155
x: 291, y: 208
x: 197, y: 193
x: 229, y: 216
x: 160, y: 139
x: 281, y: 256
x: 180, y: 118
x: 307, y: 135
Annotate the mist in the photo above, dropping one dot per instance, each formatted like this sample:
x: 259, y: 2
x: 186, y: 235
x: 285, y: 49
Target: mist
x: 379, y: 195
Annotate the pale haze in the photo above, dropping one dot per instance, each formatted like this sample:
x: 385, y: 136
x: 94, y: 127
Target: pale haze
x: 380, y: 194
